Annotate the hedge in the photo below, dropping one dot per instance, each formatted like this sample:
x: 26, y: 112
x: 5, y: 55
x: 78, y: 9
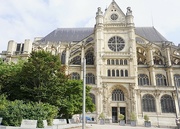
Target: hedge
x: 13, y: 112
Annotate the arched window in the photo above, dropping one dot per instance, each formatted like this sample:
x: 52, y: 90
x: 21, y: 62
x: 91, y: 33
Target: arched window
x: 122, y: 73
x: 143, y: 80
x: 177, y: 80
x: 108, y: 61
x: 109, y: 73
x: 117, y: 62
x: 117, y: 95
x: 75, y: 76
x: 117, y: 73
x: 63, y: 57
x: 125, y: 62
x: 89, y: 58
x: 160, y: 80
x: 148, y: 103
x: 76, y: 60
x: 113, y: 72
x: 90, y: 78
x: 126, y: 73
x: 112, y: 62
x: 93, y: 98
x: 121, y: 62
x: 167, y: 104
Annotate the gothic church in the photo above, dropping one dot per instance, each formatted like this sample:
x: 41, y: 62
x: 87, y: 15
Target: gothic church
x: 130, y: 69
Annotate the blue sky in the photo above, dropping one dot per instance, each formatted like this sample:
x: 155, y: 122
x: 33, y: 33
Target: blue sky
x: 27, y: 19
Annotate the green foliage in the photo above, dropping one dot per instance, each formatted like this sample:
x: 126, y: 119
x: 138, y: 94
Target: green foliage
x: 14, y: 111
x: 9, y: 78
x: 101, y: 116
x: 72, y: 102
x: 121, y: 117
x: 133, y: 116
x: 42, y: 79
x: 146, y: 117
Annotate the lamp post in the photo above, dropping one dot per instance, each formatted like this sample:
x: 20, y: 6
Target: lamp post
x: 177, y: 92
x: 84, y: 94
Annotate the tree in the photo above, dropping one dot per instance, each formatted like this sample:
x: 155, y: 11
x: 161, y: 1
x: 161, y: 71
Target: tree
x: 42, y: 78
x: 9, y: 78
x: 72, y: 102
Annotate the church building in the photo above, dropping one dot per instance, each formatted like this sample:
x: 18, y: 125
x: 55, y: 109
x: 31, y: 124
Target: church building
x: 130, y: 69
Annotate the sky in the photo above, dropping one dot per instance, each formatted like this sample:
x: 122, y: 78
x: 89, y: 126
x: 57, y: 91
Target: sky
x: 27, y: 19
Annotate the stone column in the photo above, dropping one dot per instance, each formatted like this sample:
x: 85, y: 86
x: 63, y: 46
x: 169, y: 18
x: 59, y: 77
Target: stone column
x: 168, y: 57
x: 152, y: 76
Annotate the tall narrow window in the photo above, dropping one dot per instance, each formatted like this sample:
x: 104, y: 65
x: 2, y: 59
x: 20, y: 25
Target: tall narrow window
x: 113, y: 72
x: 167, y: 104
x: 90, y: 78
x: 122, y: 73
x: 161, y: 80
x: 112, y: 62
x: 121, y: 62
x: 177, y: 80
x: 117, y: 62
x: 89, y: 58
x: 125, y: 62
x: 63, y: 57
x: 117, y: 73
x: 143, y: 80
x: 126, y: 73
x: 109, y: 72
x: 148, y: 103
x: 108, y: 61
x: 117, y: 95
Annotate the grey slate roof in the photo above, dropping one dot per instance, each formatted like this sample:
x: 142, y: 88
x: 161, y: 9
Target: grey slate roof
x: 77, y: 34
x: 68, y: 34
x: 150, y: 33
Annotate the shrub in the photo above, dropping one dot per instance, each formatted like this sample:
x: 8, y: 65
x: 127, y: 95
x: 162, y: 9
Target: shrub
x: 121, y: 117
x: 146, y: 117
x: 14, y: 111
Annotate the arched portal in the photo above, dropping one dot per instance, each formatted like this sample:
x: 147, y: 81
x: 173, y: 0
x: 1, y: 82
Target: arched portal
x: 118, y: 97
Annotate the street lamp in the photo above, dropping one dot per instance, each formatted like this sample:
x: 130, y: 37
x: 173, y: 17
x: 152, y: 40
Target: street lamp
x: 84, y: 94
x: 177, y: 92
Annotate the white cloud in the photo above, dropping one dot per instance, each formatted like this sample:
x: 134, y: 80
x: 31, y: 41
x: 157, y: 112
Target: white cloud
x: 26, y: 19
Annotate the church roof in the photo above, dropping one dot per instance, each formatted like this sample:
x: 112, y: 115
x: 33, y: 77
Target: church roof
x: 78, y: 34
x: 150, y: 33
x: 68, y: 34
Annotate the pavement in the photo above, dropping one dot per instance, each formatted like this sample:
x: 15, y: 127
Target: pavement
x: 115, y: 126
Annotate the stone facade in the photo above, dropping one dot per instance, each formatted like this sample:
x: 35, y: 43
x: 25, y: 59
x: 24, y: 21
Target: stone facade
x: 130, y: 69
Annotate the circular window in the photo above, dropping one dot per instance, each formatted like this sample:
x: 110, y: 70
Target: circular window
x: 116, y: 43
x: 114, y: 16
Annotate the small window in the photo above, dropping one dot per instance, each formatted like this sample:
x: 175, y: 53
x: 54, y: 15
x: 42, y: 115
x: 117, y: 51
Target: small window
x: 117, y: 73
x: 125, y: 62
x: 112, y: 62
x: 109, y: 73
x: 113, y: 72
x: 108, y: 61
x: 126, y: 73
x: 122, y: 73
x: 121, y: 62
x: 117, y: 62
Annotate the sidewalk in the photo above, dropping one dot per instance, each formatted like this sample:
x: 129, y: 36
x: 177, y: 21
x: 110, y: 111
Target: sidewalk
x: 115, y: 126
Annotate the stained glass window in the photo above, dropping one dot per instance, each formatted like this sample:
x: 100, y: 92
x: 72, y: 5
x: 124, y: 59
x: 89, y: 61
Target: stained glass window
x: 117, y: 95
x: 148, y: 103
x: 143, y: 80
x: 167, y: 104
